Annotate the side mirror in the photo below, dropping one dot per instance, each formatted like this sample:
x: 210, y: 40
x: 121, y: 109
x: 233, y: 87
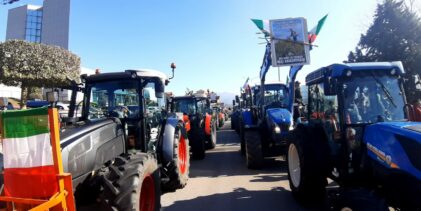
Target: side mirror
x: 159, y: 90
x: 159, y: 94
x: 233, y: 103
x: 52, y: 97
x: 83, y: 78
x: 3, y: 102
x: 237, y: 99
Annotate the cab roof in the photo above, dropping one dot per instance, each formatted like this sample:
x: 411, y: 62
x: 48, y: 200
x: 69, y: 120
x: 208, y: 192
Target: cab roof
x: 142, y: 73
x: 188, y: 97
x: 340, y: 70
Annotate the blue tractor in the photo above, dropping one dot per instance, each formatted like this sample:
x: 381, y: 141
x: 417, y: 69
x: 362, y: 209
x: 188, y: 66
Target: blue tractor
x: 265, y: 124
x: 357, y: 135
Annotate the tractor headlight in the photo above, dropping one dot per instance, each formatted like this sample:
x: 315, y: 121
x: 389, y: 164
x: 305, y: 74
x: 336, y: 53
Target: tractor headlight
x: 291, y: 127
x: 277, y: 129
x: 349, y: 73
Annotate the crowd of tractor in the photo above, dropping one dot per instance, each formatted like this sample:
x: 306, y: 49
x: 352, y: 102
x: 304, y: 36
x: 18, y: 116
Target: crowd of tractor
x: 133, y: 141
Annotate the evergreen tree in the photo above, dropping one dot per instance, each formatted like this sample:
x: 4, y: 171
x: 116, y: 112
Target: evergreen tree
x: 395, y: 35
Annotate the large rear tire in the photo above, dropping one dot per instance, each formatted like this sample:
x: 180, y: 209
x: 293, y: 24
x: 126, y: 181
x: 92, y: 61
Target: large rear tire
x: 254, y: 154
x: 307, y: 165
x: 177, y: 170
x: 132, y: 183
x: 197, y: 142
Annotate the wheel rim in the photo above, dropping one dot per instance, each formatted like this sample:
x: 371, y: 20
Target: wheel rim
x: 182, y: 155
x: 294, y: 165
x: 147, y: 194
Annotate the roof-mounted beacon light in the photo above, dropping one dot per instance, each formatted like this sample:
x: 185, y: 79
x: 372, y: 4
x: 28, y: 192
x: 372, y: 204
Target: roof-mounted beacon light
x: 173, y: 66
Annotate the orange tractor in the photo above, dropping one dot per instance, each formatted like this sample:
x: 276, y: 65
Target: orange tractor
x: 201, y: 127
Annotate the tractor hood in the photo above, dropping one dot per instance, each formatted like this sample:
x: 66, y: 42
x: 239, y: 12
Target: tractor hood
x: 395, y: 145
x: 279, y: 116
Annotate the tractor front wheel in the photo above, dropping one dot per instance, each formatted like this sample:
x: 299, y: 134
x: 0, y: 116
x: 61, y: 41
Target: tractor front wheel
x: 305, y: 170
x: 253, y: 145
x: 132, y: 182
x: 177, y: 170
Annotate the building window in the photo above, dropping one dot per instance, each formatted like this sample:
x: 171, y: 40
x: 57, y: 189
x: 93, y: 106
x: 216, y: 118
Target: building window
x: 33, y: 25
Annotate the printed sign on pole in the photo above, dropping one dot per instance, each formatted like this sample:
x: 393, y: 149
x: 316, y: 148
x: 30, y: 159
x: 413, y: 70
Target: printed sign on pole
x: 289, y: 42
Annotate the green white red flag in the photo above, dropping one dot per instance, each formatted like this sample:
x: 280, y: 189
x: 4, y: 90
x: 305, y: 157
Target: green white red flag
x: 263, y: 25
x: 312, y: 34
x: 27, y: 153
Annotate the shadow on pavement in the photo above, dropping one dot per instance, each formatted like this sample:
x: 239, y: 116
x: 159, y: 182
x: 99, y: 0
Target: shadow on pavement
x: 269, y: 178
x: 241, y: 199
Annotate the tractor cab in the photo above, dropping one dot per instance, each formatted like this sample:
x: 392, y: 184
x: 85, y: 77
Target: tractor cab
x: 191, y: 106
x: 358, y: 132
x: 356, y: 95
x: 275, y: 96
x: 201, y: 127
x: 134, y: 97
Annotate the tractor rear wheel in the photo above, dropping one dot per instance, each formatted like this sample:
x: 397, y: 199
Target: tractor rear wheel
x: 197, y: 142
x: 306, y: 166
x: 177, y: 170
x: 132, y: 183
x: 254, y: 154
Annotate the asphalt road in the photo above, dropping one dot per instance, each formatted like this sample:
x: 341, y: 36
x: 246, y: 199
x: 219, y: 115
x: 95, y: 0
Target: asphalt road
x: 222, y: 182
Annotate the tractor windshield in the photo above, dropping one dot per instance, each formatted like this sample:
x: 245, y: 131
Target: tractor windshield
x: 276, y: 93
x: 371, y: 98
x: 114, y: 98
x: 185, y: 106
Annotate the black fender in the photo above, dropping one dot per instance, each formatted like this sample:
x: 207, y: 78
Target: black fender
x: 168, y: 138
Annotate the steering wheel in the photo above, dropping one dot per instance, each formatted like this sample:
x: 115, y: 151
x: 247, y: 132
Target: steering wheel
x: 377, y: 118
x: 120, y: 111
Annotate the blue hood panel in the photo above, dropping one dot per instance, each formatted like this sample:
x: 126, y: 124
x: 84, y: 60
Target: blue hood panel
x: 395, y: 145
x: 279, y: 115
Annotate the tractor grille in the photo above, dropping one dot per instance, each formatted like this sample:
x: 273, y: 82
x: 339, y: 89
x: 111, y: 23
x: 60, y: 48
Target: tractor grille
x: 412, y: 149
x: 284, y: 127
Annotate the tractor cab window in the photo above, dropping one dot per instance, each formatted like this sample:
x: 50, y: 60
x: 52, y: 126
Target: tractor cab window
x: 276, y: 94
x: 200, y: 107
x: 372, y: 98
x: 117, y: 99
x: 154, y: 104
x: 316, y: 101
x: 323, y: 109
x: 185, y: 106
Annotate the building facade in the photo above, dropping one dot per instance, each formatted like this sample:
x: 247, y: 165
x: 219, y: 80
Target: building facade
x: 47, y: 24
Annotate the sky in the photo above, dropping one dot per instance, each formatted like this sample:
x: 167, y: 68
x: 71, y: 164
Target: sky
x: 213, y: 42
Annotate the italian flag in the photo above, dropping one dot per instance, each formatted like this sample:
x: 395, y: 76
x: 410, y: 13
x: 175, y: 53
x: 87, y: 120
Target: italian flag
x: 312, y: 34
x: 263, y: 25
x: 28, y: 161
